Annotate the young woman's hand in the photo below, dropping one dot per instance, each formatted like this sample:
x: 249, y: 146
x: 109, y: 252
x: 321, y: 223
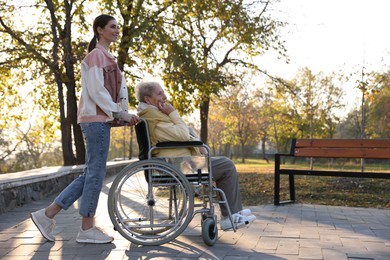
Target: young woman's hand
x: 130, y: 118
x: 203, y: 151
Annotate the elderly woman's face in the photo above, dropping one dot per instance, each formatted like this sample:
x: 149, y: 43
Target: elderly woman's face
x: 158, y: 97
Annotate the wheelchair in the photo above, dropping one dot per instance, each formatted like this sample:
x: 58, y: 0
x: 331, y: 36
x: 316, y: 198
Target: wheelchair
x: 152, y: 201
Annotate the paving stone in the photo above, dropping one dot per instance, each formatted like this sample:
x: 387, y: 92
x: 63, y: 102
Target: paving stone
x: 23, y: 251
x: 267, y: 243
x: 5, y: 250
x: 310, y: 253
x: 333, y: 254
x: 288, y: 247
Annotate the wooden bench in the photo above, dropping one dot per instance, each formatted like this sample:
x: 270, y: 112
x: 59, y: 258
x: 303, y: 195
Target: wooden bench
x: 330, y: 148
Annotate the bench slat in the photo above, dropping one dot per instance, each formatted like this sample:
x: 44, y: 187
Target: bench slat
x: 343, y: 143
x: 343, y: 153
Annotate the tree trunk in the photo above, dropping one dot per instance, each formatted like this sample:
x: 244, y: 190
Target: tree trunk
x: 204, y: 116
x: 263, y: 140
x: 243, y: 152
x: 66, y: 134
x: 66, y: 138
x: 125, y: 42
x: 72, y: 119
x: 71, y: 100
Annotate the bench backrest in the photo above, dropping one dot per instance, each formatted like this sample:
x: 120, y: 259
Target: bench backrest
x: 342, y: 148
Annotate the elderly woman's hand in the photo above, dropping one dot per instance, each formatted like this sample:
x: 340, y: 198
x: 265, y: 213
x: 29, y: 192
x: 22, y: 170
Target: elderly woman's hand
x: 166, y: 108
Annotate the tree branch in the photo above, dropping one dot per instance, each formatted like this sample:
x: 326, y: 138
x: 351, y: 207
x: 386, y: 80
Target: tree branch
x: 27, y: 46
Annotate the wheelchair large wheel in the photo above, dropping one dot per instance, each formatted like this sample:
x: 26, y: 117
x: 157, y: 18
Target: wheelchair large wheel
x: 150, y: 202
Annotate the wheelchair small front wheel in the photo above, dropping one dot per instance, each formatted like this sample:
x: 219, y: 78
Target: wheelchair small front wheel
x: 209, y: 231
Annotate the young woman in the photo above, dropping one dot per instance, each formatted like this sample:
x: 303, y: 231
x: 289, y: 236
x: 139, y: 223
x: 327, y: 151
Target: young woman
x: 103, y: 103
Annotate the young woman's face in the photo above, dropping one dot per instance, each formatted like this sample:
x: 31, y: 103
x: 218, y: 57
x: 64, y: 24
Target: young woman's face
x: 158, y: 97
x: 109, y: 33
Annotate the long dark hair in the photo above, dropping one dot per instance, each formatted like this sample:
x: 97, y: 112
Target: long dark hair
x: 100, y: 21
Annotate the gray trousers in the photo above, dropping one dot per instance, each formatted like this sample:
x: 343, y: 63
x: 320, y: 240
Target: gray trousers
x: 226, y: 178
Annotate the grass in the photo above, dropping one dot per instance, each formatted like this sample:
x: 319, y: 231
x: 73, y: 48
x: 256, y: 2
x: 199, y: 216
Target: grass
x: 256, y: 178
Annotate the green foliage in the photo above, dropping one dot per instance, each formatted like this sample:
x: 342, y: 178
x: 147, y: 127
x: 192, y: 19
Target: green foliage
x: 191, y: 42
x: 205, y: 46
x: 11, y: 117
x: 305, y: 107
x: 123, y: 143
x: 201, y: 49
x: 378, y: 107
x: 206, y: 36
x: 9, y: 99
x: 41, y: 52
x: 375, y: 104
x: 237, y: 110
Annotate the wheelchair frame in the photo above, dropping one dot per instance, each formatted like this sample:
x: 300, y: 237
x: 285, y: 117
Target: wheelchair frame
x: 166, y: 200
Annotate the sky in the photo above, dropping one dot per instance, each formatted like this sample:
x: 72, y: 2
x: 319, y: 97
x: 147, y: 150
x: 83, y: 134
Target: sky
x: 332, y: 35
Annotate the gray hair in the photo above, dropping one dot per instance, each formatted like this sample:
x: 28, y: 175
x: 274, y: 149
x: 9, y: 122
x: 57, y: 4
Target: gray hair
x: 145, y: 89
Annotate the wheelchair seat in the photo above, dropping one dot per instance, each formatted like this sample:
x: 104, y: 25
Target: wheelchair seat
x: 146, y: 149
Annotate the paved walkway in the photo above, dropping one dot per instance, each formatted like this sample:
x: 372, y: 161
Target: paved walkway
x: 292, y: 231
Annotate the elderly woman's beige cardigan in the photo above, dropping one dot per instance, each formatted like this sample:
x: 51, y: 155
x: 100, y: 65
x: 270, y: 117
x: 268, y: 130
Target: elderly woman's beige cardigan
x: 163, y: 128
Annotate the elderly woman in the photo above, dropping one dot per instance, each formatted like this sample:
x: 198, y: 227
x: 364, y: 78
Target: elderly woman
x: 165, y: 124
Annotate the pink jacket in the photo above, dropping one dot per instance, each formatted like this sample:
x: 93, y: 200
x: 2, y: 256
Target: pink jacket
x: 103, y: 87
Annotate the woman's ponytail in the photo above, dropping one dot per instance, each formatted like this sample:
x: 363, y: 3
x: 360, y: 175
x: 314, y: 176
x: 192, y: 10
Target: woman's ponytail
x: 92, y: 44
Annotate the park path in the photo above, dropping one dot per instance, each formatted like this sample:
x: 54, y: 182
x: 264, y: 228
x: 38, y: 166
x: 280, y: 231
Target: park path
x: 293, y: 231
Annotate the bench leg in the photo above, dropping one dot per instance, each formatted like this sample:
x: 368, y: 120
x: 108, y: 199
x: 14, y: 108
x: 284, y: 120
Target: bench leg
x: 292, y: 187
x: 277, y: 180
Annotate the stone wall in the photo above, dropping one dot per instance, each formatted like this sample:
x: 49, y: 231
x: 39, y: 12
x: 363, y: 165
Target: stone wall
x: 18, y: 189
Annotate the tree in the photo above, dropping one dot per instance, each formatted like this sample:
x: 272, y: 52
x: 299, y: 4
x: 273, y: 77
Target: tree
x: 239, y: 113
x: 195, y: 43
x: 371, y: 85
x: 350, y: 127
x: 267, y: 114
x: 378, y: 124
x: 217, y: 129
x: 52, y: 51
x: 10, y: 116
x: 121, y: 142
x: 35, y: 145
x: 279, y: 117
x: 142, y: 22
x: 306, y: 107
x: 208, y: 45
x: 371, y: 119
x: 48, y: 50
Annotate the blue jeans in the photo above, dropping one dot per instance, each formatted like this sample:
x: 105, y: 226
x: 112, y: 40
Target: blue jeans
x: 89, y: 184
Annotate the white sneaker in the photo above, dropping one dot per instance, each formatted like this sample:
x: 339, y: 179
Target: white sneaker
x: 238, y: 221
x: 44, y: 224
x: 245, y: 212
x: 93, y: 235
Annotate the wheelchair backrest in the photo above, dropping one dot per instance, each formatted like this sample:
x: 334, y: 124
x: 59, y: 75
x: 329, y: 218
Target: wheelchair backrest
x: 142, y: 132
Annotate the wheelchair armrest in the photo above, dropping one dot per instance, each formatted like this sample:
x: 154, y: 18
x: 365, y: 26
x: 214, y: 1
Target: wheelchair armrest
x: 180, y: 144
